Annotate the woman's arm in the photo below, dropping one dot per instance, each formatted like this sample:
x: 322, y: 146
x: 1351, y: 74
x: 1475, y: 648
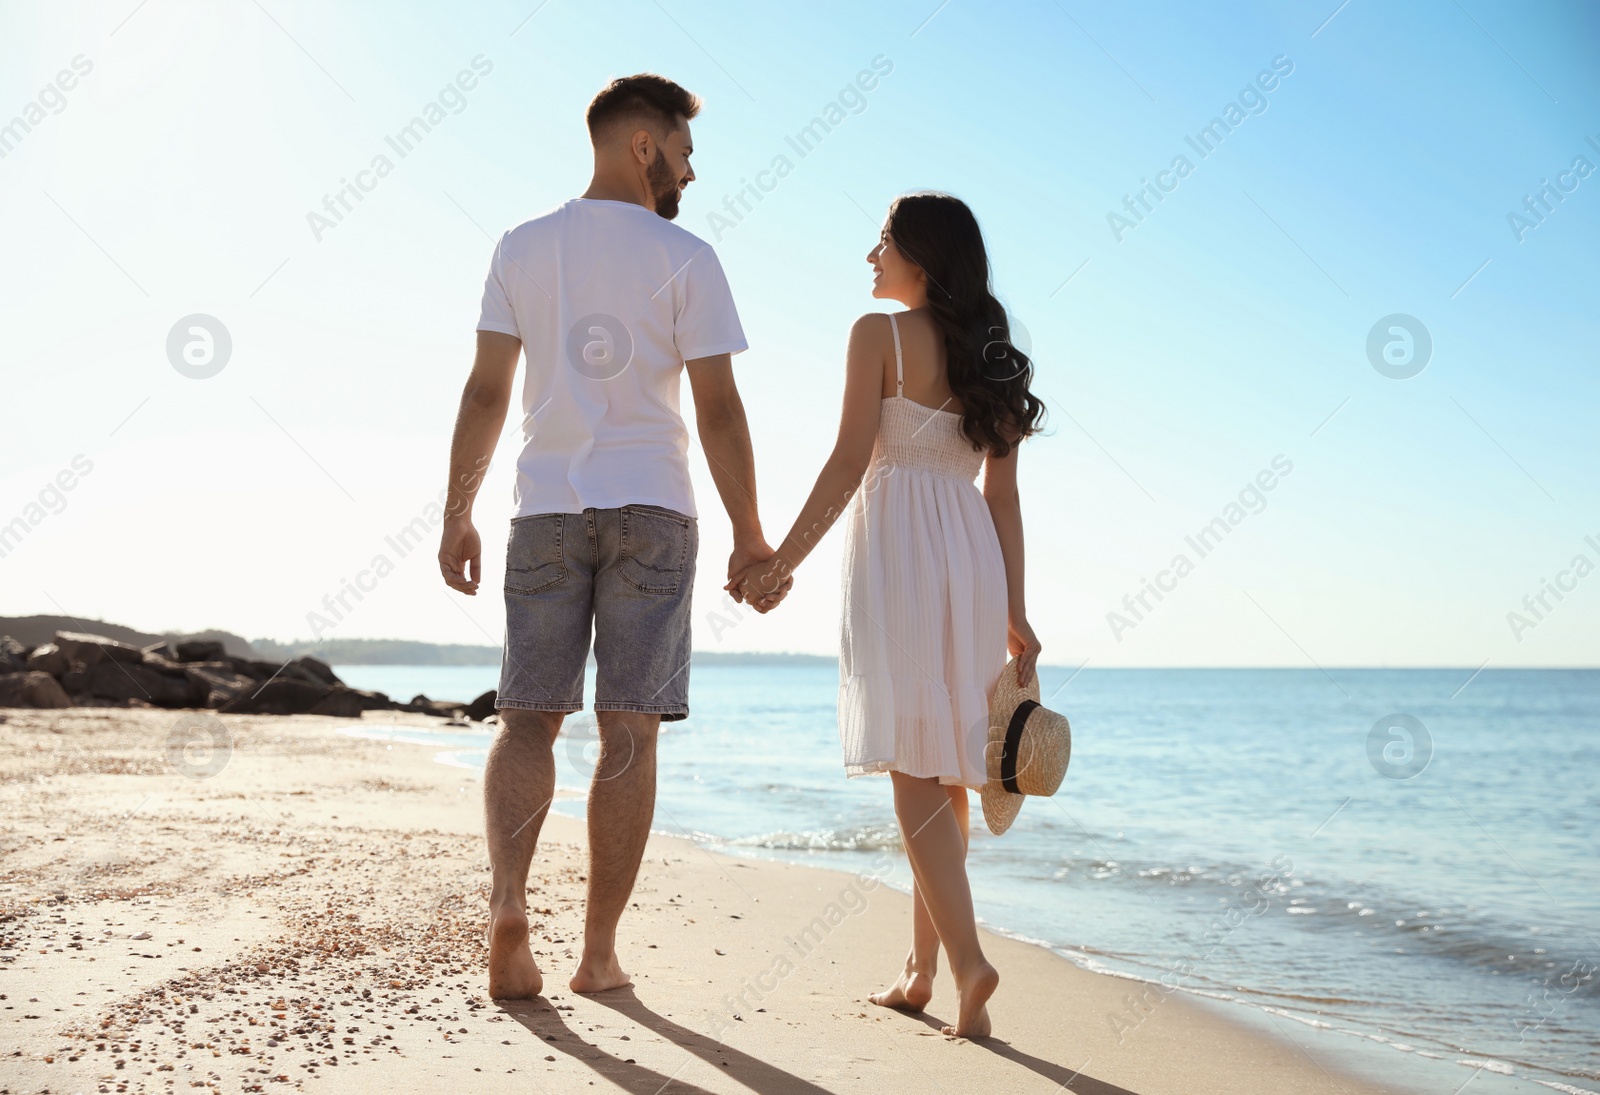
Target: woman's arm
x: 842, y: 474
x: 1005, y: 506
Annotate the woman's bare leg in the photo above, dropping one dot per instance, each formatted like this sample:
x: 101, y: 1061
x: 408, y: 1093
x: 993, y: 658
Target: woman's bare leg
x: 937, y: 849
x: 914, y: 987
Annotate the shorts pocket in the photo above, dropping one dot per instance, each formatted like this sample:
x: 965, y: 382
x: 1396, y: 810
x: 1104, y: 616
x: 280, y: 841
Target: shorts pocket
x: 533, y: 554
x: 655, y: 548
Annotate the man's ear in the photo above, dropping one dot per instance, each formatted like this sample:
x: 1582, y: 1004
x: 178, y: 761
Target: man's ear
x: 643, y: 147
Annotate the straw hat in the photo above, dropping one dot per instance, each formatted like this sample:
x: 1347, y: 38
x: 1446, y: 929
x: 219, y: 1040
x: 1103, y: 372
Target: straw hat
x: 1027, y: 751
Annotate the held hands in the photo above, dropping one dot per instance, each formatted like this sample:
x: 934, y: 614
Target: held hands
x: 1024, y: 646
x: 757, y: 578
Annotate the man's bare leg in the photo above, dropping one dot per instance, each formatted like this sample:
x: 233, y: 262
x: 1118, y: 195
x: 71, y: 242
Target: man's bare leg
x: 519, y: 780
x: 622, y: 800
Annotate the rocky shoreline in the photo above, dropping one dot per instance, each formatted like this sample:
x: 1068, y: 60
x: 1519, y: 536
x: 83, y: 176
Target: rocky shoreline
x: 77, y: 669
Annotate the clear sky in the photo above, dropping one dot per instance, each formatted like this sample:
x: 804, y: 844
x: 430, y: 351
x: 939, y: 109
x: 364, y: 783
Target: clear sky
x: 1182, y: 349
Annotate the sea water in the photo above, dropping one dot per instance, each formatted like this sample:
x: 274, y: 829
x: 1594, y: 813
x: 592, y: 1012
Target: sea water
x: 1420, y: 899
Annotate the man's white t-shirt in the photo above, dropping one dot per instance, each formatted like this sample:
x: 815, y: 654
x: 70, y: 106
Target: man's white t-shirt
x: 609, y: 301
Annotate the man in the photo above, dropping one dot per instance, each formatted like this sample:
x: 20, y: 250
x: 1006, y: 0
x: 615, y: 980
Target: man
x: 610, y: 303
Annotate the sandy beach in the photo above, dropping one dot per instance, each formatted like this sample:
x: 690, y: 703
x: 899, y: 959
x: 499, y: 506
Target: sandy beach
x: 312, y: 915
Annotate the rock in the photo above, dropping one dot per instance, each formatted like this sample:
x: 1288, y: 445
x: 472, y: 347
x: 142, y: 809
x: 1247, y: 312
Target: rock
x: 296, y: 672
x: 32, y: 690
x: 199, y: 650
x: 250, y: 667
x: 160, y: 664
x: 50, y: 659
x: 309, y: 670
x: 341, y: 703
x: 278, y: 697
x: 482, y: 707
x: 319, y: 669
x: 163, y: 649
x: 218, y: 683
x: 83, y: 699
x: 13, y: 655
x: 110, y: 679
x: 283, y: 671
x: 348, y: 703
x: 444, y: 709
x: 89, y: 650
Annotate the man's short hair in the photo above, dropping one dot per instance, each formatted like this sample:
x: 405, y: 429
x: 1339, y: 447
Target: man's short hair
x: 647, y: 100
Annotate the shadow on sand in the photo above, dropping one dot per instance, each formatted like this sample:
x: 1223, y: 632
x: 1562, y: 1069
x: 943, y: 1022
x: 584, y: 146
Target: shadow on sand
x: 1069, y: 1079
x: 544, y: 1021
x: 541, y: 1017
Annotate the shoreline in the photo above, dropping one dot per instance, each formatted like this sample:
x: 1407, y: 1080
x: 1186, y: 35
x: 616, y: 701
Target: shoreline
x: 332, y: 883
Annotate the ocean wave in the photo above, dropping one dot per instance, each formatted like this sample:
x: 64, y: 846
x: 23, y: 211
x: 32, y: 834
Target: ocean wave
x: 1309, y: 1021
x: 1217, y: 875
x: 861, y: 838
x: 1553, y: 954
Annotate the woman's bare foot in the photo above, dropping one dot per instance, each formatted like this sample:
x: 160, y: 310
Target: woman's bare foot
x: 513, y: 974
x: 597, y: 974
x: 973, y: 991
x: 911, y: 992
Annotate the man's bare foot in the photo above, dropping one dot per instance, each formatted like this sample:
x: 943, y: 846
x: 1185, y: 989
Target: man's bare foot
x: 973, y: 991
x: 513, y: 974
x: 911, y: 992
x: 599, y: 974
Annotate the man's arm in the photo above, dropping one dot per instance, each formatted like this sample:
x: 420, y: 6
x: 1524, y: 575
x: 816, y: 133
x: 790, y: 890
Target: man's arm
x: 478, y: 423
x: 725, y: 437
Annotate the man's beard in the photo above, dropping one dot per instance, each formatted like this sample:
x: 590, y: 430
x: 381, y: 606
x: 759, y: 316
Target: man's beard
x: 663, y: 187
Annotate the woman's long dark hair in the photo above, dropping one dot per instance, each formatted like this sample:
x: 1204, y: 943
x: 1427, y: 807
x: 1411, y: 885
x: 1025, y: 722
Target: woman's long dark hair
x: 986, y: 370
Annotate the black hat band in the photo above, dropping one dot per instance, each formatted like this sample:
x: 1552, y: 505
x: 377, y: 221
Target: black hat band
x: 1013, y: 745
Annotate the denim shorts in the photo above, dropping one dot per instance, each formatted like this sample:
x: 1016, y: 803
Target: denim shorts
x: 629, y: 573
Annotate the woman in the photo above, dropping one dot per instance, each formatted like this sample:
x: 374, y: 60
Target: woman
x: 932, y: 568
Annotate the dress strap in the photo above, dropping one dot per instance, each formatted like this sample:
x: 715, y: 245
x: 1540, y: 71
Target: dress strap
x: 899, y: 369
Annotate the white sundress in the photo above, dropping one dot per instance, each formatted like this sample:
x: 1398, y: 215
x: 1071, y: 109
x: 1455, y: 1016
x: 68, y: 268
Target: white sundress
x: 923, y: 620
